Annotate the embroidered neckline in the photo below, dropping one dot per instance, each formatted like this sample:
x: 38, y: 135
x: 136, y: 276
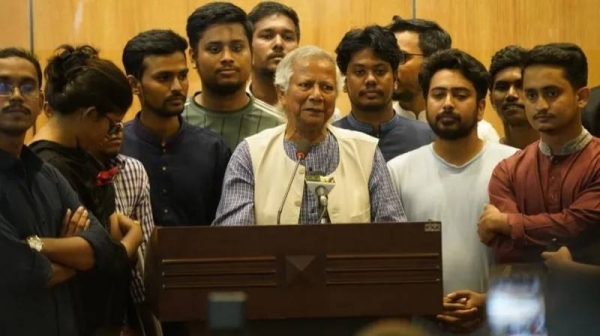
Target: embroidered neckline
x: 570, y: 147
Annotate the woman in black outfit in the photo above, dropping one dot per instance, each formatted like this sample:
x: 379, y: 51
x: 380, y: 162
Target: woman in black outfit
x: 87, y: 98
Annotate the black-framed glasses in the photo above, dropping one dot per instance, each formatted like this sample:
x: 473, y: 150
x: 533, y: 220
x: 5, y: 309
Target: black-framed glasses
x: 27, y: 90
x: 406, y: 56
x: 114, y: 127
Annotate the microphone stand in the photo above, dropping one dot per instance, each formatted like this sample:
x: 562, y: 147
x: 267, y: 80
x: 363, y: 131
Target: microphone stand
x: 287, y: 191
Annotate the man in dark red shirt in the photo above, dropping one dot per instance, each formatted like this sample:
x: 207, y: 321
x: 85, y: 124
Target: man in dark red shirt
x: 550, y: 191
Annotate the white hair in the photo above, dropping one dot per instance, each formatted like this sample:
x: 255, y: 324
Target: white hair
x: 285, y: 68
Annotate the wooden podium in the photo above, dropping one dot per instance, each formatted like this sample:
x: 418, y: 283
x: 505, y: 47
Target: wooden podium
x: 297, y: 275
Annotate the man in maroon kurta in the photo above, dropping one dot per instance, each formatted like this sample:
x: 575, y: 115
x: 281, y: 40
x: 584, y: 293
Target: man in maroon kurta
x: 550, y: 191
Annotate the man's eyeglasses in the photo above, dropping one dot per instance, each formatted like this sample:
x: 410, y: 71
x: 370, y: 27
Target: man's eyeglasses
x: 27, y: 90
x: 406, y: 56
x: 114, y: 127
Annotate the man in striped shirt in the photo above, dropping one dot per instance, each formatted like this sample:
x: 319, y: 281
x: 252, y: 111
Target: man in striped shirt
x: 220, y: 40
x: 132, y: 198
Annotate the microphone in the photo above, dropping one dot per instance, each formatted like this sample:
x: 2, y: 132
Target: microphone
x: 301, y: 152
x: 321, y: 186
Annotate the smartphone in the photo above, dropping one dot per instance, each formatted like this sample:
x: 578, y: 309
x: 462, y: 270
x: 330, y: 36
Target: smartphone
x: 515, y: 306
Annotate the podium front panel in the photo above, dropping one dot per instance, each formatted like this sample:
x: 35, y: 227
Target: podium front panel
x: 297, y: 271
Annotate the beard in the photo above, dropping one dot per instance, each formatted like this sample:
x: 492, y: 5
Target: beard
x: 265, y: 72
x: 374, y: 108
x: 463, y: 130
x: 162, y: 110
x: 223, y: 89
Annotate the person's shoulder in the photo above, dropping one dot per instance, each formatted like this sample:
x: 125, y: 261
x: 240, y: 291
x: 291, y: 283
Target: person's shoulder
x: 501, y: 149
x: 342, y: 123
x: 267, y: 111
x: 415, y: 125
x: 132, y: 162
x: 412, y: 157
x: 203, y: 135
x: 595, y: 143
x: 351, y: 134
x: 519, y: 159
x: 51, y: 153
x: 266, y: 134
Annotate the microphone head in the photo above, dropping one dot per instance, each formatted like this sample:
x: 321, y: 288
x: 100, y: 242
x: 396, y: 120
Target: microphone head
x: 302, y: 149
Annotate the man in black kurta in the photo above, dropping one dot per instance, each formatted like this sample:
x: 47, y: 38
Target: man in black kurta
x: 37, y: 259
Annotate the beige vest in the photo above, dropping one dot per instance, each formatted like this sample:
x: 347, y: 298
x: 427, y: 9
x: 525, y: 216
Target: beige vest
x: 349, y: 200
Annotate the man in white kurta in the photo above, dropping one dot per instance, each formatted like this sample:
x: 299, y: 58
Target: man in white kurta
x: 261, y: 167
x: 447, y: 181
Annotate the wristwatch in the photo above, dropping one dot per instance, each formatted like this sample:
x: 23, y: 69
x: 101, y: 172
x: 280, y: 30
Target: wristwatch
x: 35, y: 243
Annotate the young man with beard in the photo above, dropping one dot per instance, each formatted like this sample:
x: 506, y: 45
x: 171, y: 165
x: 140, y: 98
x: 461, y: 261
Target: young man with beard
x: 548, y: 193
x: 185, y: 164
x: 418, y: 39
x: 220, y: 40
x: 506, y: 96
x: 369, y: 58
x: 447, y: 181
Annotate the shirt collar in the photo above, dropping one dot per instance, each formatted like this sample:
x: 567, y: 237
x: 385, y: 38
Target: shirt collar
x: 150, y: 137
x: 117, y: 161
x: 571, y: 147
x: 27, y: 158
x: 369, y: 129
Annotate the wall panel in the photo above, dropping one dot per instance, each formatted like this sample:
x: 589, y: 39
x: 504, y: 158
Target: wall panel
x: 108, y: 24
x: 14, y: 29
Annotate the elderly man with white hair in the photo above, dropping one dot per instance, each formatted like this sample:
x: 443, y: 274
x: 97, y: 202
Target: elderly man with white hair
x: 263, y: 167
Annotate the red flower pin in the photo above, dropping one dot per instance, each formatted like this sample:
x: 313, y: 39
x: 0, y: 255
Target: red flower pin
x: 106, y: 176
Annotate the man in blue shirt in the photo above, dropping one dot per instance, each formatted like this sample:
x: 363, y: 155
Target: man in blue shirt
x: 369, y: 60
x: 185, y: 163
x: 46, y: 237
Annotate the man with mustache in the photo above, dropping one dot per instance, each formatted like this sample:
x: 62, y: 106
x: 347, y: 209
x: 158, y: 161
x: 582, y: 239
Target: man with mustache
x: 369, y: 59
x: 506, y: 96
x: 418, y: 39
x: 447, y: 181
x: 547, y: 194
x: 46, y: 237
x: 185, y: 163
x: 220, y: 40
x: 276, y: 32
x: 257, y: 176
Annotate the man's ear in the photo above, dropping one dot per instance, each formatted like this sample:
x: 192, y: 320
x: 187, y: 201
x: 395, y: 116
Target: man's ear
x: 90, y: 112
x: 583, y: 95
x: 480, y: 109
x: 192, y: 54
x: 135, y: 84
x: 280, y: 95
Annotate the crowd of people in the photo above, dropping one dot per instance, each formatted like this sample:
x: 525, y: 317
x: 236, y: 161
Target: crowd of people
x: 79, y: 202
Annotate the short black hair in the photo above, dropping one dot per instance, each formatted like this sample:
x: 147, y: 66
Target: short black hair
x: 76, y: 77
x: 454, y: 59
x: 269, y: 8
x: 507, y: 57
x: 432, y: 37
x: 26, y: 55
x: 567, y: 56
x: 148, y: 43
x: 380, y: 40
x: 215, y: 13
